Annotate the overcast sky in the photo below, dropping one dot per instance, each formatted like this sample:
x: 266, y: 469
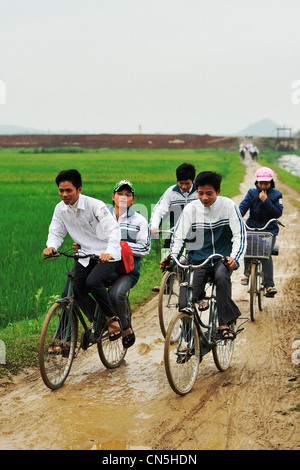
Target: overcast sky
x: 170, y: 66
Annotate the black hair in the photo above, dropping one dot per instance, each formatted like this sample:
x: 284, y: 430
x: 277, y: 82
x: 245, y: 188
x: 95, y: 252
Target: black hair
x: 209, y: 178
x: 69, y: 175
x: 185, y: 171
x: 272, y: 183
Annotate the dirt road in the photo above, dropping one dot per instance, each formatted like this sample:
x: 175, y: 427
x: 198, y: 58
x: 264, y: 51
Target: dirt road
x: 250, y: 406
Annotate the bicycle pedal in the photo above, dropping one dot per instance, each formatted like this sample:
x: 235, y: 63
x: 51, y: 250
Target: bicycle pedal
x: 187, y: 310
x: 239, y: 330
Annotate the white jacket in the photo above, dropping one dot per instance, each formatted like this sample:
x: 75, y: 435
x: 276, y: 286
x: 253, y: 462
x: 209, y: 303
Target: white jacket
x: 207, y: 230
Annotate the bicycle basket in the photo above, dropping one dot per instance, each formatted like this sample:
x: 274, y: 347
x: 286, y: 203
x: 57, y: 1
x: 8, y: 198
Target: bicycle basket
x: 259, y: 245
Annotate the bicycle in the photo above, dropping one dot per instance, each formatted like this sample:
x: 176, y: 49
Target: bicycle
x: 190, y: 336
x: 59, y: 336
x: 259, y: 248
x: 168, y: 298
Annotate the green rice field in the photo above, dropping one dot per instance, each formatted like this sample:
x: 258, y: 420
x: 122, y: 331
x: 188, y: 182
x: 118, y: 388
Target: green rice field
x: 28, y: 284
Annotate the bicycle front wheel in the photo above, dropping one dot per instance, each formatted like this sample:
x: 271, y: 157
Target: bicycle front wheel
x: 182, y: 357
x: 57, y: 345
x: 260, y: 288
x: 253, y: 291
x: 223, y: 351
x: 168, y: 300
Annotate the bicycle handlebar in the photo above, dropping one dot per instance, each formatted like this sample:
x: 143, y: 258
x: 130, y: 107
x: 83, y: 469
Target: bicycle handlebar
x: 57, y: 254
x: 188, y: 266
x: 268, y: 223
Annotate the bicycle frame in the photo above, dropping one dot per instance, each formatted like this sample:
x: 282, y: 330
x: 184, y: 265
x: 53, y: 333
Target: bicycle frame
x: 207, y: 336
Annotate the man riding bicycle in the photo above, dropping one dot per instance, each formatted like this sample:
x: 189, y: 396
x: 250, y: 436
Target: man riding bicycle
x: 212, y: 224
x: 91, y: 225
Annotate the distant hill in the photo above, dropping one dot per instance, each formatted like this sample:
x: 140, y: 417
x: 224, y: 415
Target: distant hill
x: 262, y: 128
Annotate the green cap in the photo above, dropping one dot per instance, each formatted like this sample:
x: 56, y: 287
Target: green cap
x: 123, y: 183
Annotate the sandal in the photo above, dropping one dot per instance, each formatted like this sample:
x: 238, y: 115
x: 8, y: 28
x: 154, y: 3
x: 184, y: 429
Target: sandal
x: 245, y: 281
x: 271, y: 291
x: 156, y: 289
x: 227, y: 333
x: 63, y: 349
x: 128, y: 338
x: 184, y: 356
x: 203, y: 305
x: 114, y: 332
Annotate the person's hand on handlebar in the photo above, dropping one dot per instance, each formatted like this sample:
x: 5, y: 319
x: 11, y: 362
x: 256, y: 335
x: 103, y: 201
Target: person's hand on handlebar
x: 166, y: 263
x: 49, y: 251
x: 231, y: 263
x: 105, y: 257
x: 76, y: 247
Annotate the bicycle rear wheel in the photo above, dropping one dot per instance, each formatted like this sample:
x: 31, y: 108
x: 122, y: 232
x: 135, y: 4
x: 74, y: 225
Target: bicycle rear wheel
x: 182, y: 357
x: 168, y: 300
x: 57, y: 345
x: 112, y: 353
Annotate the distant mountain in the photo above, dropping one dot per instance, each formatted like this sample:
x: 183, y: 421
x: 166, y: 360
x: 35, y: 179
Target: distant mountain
x: 262, y: 128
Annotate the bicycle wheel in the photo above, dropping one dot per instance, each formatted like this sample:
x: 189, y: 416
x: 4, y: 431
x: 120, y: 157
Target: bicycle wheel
x: 253, y: 291
x: 223, y: 348
x: 182, y: 357
x: 57, y: 345
x: 168, y: 300
x: 112, y: 353
x: 260, y: 288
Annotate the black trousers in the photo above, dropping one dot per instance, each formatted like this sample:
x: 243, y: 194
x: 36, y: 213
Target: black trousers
x: 93, y: 279
x: 228, y: 311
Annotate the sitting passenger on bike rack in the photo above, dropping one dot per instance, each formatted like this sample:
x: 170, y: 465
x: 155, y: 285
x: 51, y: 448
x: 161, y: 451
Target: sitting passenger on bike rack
x: 264, y: 203
x: 212, y: 224
x: 134, y: 231
x: 91, y: 225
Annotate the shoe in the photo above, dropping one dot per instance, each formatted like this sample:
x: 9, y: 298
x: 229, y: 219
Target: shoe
x: 63, y: 349
x: 184, y: 356
x: 227, y: 333
x: 203, y: 305
x: 155, y: 289
x: 128, y: 338
x: 114, y: 332
x: 271, y: 291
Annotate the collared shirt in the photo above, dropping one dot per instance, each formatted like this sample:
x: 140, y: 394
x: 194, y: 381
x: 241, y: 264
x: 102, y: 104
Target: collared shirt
x: 91, y: 225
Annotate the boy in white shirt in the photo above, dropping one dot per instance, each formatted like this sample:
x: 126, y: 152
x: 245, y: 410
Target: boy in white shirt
x: 91, y: 225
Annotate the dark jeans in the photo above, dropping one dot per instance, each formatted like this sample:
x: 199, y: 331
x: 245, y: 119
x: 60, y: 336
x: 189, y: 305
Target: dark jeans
x: 228, y: 311
x: 93, y: 279
x: 117, y: 294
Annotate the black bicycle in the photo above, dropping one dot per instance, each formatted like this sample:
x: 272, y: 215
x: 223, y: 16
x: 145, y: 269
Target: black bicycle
x: 61, y: 341
x: 193, y: 333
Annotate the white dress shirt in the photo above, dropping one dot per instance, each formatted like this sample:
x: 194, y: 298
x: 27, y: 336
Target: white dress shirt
x: 90, y: 224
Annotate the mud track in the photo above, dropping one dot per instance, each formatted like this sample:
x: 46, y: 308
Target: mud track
x: 250, y: 406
